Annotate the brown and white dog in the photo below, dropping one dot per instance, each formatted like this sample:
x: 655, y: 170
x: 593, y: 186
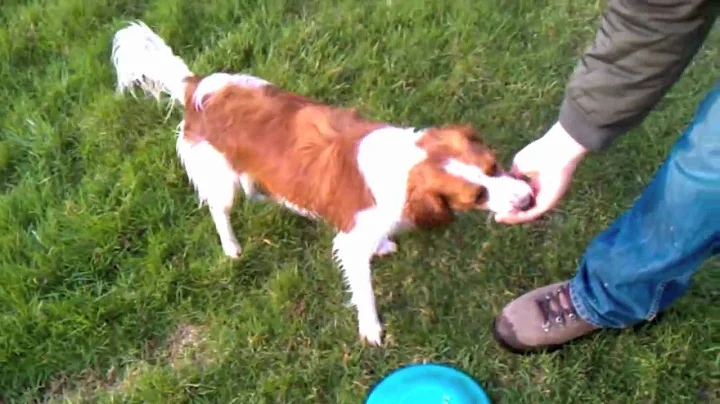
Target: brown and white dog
x: 368, y: 179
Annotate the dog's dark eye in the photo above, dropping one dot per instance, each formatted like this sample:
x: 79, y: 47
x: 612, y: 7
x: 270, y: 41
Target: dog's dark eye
x: 481, y: 196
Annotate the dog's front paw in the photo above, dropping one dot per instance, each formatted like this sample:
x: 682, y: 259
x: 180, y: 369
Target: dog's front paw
x: 232, y: 250
x: 386, y: 247
x: 371, y: 332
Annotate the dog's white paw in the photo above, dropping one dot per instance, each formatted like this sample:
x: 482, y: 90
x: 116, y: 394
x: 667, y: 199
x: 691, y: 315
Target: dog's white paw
x: 232, y: 249
x: 371, y: 332
x: 386, y: 247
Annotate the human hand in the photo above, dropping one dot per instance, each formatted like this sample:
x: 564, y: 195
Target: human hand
x: 549, y: 162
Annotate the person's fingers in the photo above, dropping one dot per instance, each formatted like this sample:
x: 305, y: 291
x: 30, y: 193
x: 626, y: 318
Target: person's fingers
x: 525, y: 162
x: 522, y: 216
x: 544, y: 201
x: 514, y: 170
x: 523, y: 169
x: 529, y: 176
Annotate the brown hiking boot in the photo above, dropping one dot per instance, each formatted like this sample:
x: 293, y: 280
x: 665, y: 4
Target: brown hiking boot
x: 541, y: 320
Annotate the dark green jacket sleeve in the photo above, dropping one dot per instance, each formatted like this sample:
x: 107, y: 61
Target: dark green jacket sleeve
x: 640, y: 50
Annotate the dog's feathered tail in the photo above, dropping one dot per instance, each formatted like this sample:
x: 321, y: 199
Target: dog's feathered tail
x: 142, y: 58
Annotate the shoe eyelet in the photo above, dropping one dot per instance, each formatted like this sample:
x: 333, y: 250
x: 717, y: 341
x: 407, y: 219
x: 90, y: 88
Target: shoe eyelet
x: 559, y: 319
x: 572, y: 316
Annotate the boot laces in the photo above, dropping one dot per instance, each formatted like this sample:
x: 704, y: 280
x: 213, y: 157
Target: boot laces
x: 556, y: 308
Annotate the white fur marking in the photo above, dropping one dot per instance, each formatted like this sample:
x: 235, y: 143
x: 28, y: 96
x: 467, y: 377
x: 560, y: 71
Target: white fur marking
x: 294, y: 208
x: 247, y: 183
x: 214, y: 82
x: 385, y: 158
x: 215, y: 183
x: 353, y: 251
x: 221, y: 218
x: 505, y: 193
x: 142, y: 58
x: 386, y: 247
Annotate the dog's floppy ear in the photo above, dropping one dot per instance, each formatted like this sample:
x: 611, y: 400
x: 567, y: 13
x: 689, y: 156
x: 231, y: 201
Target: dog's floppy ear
x: 434, y: 195
x: 428, y: 209
x: 452, y: 139
x: 426, y: 206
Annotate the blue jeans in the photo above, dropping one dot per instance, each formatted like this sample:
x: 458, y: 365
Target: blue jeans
x: 645, y: 260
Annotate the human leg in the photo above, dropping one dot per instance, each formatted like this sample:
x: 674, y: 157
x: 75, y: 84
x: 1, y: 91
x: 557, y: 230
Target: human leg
x: 645, y: 260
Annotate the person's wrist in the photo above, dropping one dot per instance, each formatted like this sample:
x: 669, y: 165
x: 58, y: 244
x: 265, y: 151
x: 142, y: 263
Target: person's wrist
x: 563, y: 146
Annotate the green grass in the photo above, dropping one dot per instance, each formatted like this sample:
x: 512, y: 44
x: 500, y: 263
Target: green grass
x: 113, y: 286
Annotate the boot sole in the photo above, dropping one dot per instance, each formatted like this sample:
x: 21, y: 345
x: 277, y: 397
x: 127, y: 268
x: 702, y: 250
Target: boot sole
x: 552, y: 348
x: 529, y: 351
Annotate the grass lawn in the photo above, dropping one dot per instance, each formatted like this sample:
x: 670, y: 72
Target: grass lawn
x: 113, y: 285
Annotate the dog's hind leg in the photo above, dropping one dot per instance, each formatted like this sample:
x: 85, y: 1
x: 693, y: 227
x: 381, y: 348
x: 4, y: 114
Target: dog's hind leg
x: 248, y: 185
x: 215, y: 183
x: 385, y: 247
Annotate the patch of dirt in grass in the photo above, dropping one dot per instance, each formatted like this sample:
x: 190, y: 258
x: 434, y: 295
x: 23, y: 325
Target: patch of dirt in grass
x: 79, y: 389
x: 187, y: 345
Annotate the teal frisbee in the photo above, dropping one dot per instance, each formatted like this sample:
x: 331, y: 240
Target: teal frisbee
x: 427, y: 384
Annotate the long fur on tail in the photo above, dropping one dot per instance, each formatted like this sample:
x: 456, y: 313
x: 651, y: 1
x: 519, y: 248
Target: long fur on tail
x: 142, y: 58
